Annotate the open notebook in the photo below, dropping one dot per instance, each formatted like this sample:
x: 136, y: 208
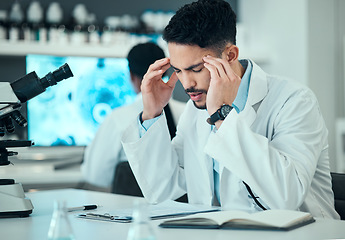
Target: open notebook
x: 265, y: 220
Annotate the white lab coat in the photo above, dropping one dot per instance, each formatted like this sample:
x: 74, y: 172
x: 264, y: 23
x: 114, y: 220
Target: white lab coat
x: 278, y: 145
x: 105, y: 151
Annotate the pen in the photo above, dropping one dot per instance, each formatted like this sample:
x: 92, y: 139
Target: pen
x: 85, y: 207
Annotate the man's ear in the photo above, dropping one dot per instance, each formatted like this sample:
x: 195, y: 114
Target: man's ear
x: 231, y: 53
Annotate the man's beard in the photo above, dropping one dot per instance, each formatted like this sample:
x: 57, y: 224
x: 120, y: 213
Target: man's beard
x: 193, y: 90
x: 199, y: 107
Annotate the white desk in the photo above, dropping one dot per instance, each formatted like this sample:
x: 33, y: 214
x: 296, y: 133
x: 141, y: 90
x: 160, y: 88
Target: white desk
x: 36, y: 226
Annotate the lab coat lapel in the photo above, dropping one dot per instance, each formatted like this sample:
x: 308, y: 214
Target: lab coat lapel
x: 256, y: 93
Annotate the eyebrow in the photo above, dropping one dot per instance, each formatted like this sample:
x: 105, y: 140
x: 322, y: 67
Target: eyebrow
x: 190, y: 67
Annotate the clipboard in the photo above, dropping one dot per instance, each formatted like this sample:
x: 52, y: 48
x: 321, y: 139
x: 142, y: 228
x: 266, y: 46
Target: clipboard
x: 105, y: 217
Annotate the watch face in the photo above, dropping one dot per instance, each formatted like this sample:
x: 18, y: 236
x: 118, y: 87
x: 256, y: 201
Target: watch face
x: 225, y: 110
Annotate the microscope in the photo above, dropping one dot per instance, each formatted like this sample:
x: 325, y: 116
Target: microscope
x: 13, y: 202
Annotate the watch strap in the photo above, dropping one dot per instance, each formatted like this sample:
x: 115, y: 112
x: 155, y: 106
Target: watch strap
x: 217, y: 115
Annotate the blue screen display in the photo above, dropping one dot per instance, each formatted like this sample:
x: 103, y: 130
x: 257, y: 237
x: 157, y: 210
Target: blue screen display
x: 70, y: 112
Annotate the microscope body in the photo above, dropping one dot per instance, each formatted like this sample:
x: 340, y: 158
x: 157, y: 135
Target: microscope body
x: 13, y: 202
x: 12, y: 196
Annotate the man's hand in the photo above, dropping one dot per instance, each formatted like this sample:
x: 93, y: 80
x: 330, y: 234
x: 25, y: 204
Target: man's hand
x: 224, y: 84
x: 155, y: 92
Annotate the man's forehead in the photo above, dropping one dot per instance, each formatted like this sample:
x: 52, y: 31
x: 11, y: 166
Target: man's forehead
x: 176, y: 48
x: 185, y: 56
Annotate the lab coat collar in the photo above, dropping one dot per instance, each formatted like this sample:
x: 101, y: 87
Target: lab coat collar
x: 256, y: 93
x: 258, y: 85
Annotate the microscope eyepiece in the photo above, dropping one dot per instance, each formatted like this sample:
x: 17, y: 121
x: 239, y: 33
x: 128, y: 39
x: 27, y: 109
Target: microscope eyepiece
x: 58, y: 75
x: 63, y: 72
x: 31, y: 85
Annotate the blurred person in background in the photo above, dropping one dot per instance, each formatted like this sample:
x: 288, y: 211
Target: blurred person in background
x: 105, y: 152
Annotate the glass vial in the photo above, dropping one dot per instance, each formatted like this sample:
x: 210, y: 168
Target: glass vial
x: 60, y: 227
x: 141, y: 228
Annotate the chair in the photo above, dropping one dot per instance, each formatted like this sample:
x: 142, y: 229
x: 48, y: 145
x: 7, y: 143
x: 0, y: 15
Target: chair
x: 338, y: 186
x: 125, y: 183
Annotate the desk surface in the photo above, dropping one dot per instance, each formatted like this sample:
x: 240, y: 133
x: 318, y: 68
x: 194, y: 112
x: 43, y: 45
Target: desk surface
x: 36, y: 226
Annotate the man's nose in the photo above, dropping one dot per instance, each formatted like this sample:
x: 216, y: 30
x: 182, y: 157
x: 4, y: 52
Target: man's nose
x: 188, y: 80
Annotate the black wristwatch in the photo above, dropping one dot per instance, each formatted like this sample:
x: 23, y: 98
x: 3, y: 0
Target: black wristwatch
x: 220, y: 114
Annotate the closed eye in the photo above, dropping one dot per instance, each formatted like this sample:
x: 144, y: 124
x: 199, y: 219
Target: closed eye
x: 199, y: 70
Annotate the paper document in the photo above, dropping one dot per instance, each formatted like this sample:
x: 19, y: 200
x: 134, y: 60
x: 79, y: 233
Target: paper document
x: 170, y: 209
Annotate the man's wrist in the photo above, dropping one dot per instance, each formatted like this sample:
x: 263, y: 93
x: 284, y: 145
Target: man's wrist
x: 144, y: 116
x: 146, y: 124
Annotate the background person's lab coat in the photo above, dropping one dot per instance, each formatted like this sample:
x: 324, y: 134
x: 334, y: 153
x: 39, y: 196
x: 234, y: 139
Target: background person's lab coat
x: 105, y: 151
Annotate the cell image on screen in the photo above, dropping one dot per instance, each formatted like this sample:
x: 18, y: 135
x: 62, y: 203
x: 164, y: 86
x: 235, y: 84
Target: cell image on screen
x: 70, y: 112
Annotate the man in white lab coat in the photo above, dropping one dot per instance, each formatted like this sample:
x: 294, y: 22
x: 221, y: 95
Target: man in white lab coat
x: 246, y: 140
x: 105, y: 152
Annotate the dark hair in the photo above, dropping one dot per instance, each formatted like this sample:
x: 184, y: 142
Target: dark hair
x: 206, y: 23
x: 141, y: 56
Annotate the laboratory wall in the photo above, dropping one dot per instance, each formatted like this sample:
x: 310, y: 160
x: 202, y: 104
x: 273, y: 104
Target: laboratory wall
x: 302, y: 40
x: 326, y: 68
x: 277, y: 32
